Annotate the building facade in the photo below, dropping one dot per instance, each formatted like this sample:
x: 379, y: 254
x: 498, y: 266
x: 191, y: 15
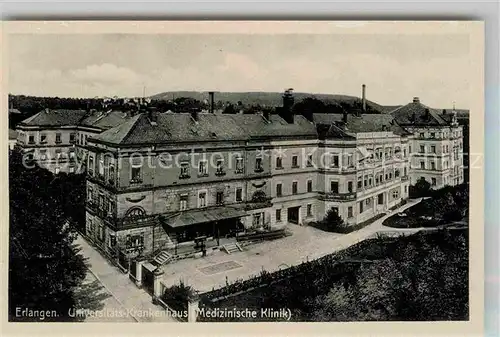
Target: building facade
x: 158, y: 181
x: 437, y: 146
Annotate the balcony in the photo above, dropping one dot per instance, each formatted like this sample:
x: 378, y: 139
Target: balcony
x: 331, y: 196
x: 404, y: 178
x: 220, y: 173
x: 184, y: 176
x: 238, y: 171
x: 259, y: 169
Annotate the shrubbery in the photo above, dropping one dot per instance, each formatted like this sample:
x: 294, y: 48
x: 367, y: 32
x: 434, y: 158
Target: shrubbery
x: 422, y: 188
x: 178, y: 296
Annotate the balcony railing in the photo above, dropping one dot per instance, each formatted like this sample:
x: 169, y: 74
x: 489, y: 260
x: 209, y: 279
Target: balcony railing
x: 331, y: 196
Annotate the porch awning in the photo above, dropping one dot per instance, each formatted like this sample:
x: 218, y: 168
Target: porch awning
x: 202, y: 216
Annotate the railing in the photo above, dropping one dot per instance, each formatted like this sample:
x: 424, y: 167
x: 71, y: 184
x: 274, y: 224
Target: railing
x: 337, y: 196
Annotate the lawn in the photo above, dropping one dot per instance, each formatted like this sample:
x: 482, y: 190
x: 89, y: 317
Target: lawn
x: 406, y: 278
x: 444, y: 207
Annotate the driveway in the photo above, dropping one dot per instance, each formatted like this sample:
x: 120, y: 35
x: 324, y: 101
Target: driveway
x: 306, y: 243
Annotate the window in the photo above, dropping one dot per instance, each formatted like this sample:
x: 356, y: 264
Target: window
x: 360, y: 207
x: 135, y: 174
x: 406, y: 189
x: 112, y: 240
x: 58, y: 138
x: 377, y: 180
x: 184, y: 170
x: 360, y: 182
x: 309, y: 210
x: 43, y: 138
x: 294, y: 187
x: 134, y: 241
x: 258, y: 164
x: 295, y: 161
x: 220, y: 167
x: 279, y: 191
x: 100, y: 232
x: 89, y: 194
x: 390, y: 175
x: 422, y: 135
x: 105, y: 205
x: 349, y: 186
x: 422, y: 148
x: 219, y: 198
x: 72, y: 138
x: 404, y: 153
x: 81, y: 139
x: 183, y: 205
x: 433, y: 165
x: 100, y: 203
x: 43, y: 154
x: 239, y: 193
x: 202, y: 199
x: 202, y: 168
x: 368, y: 202
x: 111, y: 178
x: 71, y: 154
x: 365, y: 181
x: 71, y: 169
x: 239, y: 165
x: 433, y: 135
x: 57, y: 170
x: 309, y: 186
x: 422, y: 165
x: 278, y: 215
x: 256, y: 221
x: 279, y: 163
x: 309, y: 160
x: 349, y: 160
x: 334, y: 186
x: 433, y: 181
x: 395, y: 194
x: 349, y: 212
x: 380, y: 198
x: 31, y: 139
x: 370, y: 180
x: 404, y: 170
x: 433, y: 149
x: 396, y: 174
x: 335, y: 160
x: 409, y: 148
x: 101, y: 168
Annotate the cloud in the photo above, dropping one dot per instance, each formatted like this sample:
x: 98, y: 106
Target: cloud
x: 105, y: 73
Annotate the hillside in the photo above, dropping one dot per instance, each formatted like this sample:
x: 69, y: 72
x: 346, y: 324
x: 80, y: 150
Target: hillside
x: 264, y: 98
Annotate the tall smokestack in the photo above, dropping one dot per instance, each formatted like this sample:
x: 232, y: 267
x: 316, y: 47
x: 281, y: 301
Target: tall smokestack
x: 364, y: 97
x: 288, y: 101
x: 212, y: 102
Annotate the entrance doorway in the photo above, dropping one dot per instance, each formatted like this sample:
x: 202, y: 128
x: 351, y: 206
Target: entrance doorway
x: 293, y: 215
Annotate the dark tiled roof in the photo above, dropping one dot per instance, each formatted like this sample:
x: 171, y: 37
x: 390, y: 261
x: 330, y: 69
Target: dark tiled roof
x: 59, y: 117
x: 417, y: 113
x: 105, y: 120
x: 180, y: 127
x: 358, y: 124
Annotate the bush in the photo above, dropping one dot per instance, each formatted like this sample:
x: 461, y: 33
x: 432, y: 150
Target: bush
x: 421, y: 189
x: 332, y: 222
x: 178, y: 296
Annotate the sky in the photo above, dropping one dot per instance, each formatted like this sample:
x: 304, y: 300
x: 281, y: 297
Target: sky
x: 394, y: 67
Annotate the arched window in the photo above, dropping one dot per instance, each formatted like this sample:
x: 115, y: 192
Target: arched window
x: 135, y: 212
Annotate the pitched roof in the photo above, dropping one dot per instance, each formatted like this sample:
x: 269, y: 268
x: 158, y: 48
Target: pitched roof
x: 105, y: 120
x: 180, y: 127
x: 57, y: 117
x: 416, y: 113
x: 358, y: 124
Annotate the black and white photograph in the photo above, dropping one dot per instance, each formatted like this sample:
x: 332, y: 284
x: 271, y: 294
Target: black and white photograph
x: 214, y: 177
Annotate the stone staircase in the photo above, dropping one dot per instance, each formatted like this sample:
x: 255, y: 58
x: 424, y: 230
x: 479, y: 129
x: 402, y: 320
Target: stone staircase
x: 232, y: 248
x: 162, y: 258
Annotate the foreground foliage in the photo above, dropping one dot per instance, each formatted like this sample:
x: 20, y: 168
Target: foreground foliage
x: 418, y: 277
x: 45, y: 267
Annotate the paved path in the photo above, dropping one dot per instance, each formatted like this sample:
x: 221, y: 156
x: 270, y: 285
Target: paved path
x: 306, y: 243
x: 126, y: 299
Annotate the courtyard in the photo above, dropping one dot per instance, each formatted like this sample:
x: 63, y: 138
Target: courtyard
x: 306, y: 243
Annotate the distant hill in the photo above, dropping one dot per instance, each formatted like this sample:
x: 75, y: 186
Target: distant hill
x: 270, y: 99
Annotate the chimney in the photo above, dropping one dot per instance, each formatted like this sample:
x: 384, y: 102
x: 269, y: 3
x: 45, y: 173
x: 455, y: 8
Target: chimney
x: 212, y: 103
x: 288, y: 101
x: 344, y: 117
x: 266, y: 115
x: 153, y: 116
x: 416, y: 100
x: 363, y: 97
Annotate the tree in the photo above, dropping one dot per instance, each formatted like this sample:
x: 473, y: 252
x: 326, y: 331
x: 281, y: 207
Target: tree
x: 45, y: 267
x: 332, y: 222
x: 422, y: 188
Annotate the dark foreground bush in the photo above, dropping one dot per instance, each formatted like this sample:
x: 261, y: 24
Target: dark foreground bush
x: 178, y: 296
